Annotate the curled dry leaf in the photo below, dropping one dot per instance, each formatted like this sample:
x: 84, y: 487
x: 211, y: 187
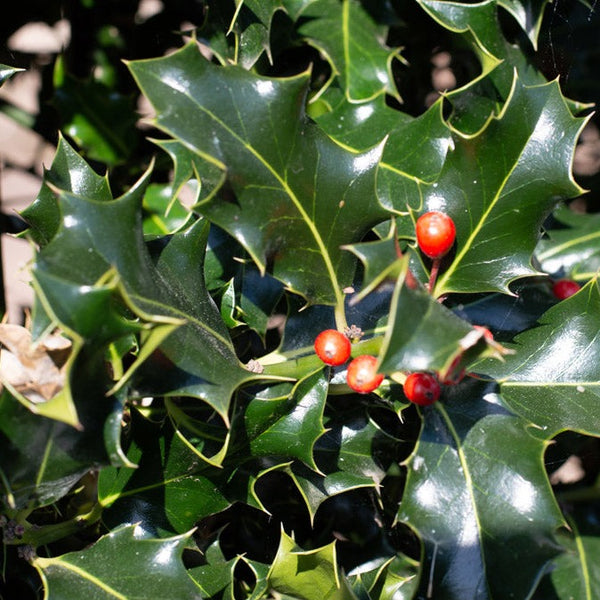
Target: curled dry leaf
x: 35, y: 370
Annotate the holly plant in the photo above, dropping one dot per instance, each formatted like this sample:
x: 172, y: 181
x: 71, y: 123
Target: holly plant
x: 309, y: 344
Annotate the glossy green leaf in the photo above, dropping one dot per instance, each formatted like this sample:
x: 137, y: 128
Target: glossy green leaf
x: 92, y: 318
x: 479, y: 498
x: 431, y: 340
x: 552, y: 379
x: 239, y: 31
x: 261, y: 573
x: 415, y: 148
x: 169, y: 490
x: 576, y: 572
x: 307, y: 574
x: 68, y: 172
x: 222, y: 261
x: 351, y: 41
x: 573, y: 248
x: 228, y: 306
x: 483, y: 97
x: 169, y: 286
x: 120, y: 565
x: 260, y: 295
x: 299, y: 196
x: 43, y: 458
x: 187, y: 164
x: 380, y: 261
x: 353, y: 453
x: 100, y: 120
x: 388, y: 579
x: 528, y: 14
x: 251, y: 25
x: 487, y: 188
x: 291, y: 426
x: 217, y: 575
x: 161, y: 215
x: 359, y: 125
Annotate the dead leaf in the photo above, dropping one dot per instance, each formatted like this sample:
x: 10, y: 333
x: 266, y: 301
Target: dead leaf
x: 35, y: 370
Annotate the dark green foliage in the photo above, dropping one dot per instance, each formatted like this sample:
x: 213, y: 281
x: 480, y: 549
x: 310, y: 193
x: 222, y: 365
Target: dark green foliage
x: 196, y: 447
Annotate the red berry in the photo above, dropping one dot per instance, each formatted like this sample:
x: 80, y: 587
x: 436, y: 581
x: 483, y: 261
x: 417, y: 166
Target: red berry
x: 563, y: 288
x: 362, y: 374
x: 435, y: 233
x: 333, y: 347
x: 422, y: 388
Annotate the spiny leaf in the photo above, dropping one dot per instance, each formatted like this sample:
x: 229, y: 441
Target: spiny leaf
x: 552, y: 379
x: 172, y: 288
x: 298, y: 195
x: 528, y: 14
x: 415, y: 148
x: 475, y: 102
x: 430, y: 341
x: 120, y: 565
x: 68, y: 172
x: 290, y: 427
x: 169, y: 490
x: 217, y: 575
x: 43, y: 458
x: 477, y: 494
x: 572, y: 250
x: 487, y: 188
x: 576, y: 572
x: 6, y: 72
x: 311, y: 575
x: 386, y: 579
x: 251, y: 24
x: 353, y: 43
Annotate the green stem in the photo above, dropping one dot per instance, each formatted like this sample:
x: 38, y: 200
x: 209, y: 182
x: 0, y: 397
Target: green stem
x: 297, y: 368
x: 40, y: 536
x: 340, y: 315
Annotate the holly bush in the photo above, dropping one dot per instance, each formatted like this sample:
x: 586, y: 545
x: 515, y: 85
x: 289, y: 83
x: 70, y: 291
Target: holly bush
x: 172, y: 433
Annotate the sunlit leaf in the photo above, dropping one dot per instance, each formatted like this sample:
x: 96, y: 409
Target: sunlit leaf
x: 552, y: 379
x: 479, y: 499
x: 119, y: 565
x: 298, y: 195
x: 353, y: 43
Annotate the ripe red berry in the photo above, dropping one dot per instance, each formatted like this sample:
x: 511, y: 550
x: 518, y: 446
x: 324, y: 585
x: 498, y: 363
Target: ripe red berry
x: 435, y: 233
x: 362, y: 374
x: 422, y: 388
x: 563, y: 288
x: 333, y: 347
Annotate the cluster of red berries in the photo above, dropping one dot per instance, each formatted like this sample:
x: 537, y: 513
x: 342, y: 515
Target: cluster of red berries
x: 435, y: 236
x: 334, y: 349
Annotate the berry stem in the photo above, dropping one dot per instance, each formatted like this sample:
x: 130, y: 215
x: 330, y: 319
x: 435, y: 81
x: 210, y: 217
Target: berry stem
x: 435, y: 268
x: 410, y: 280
